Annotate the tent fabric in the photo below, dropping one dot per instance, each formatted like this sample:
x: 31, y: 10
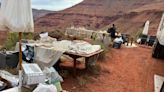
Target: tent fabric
x: 160, y: 32
x: 16, y: 16
x: 146, y: 28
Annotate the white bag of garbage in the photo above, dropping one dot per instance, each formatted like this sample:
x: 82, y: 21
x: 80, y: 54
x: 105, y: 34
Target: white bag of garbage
x: 15, y: 89
x: 138, y: 40
x: 45, y: 88
x: 52, y: 74
x: 13, y: 79
x: 118, y: 40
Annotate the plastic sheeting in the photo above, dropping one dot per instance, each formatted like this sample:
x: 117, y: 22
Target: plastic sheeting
x: 16, y: 16
x: 77, y: 46
x: 83, y: 48
x: 47, y: 57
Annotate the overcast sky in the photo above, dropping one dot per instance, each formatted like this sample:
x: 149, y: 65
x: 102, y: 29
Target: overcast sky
x: 54, y: 5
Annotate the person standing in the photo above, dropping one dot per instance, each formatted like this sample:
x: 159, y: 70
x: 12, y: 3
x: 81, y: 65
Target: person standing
x: 112, y: 31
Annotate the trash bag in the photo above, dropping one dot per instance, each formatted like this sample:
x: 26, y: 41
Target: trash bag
x: 117, y: 45
x: 52, y: 74
x: 45, y: 88
x: 28, y: 54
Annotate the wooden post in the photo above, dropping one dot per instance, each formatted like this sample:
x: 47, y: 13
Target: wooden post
x: 20, y: 50
x: 20, y: 62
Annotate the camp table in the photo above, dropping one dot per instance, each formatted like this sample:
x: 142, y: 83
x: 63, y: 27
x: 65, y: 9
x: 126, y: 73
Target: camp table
x: 86, y: 56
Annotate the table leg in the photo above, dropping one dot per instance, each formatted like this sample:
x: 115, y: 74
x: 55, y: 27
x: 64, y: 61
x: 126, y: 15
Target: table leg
x: 86, y: 63
x: 74, y: 67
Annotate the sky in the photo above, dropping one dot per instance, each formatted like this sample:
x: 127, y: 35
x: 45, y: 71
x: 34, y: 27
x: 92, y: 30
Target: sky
x: 54, y: 5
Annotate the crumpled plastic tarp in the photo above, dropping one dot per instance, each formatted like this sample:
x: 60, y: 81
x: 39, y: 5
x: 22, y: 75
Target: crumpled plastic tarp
x: 46, y: 57
x: 77, y: 46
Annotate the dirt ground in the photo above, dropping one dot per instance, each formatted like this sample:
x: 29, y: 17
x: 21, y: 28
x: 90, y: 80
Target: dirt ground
x: 124, y: 70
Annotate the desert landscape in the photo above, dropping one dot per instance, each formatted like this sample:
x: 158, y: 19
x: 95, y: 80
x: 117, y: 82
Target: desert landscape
x: 121, y: 70
x: 129, y: 16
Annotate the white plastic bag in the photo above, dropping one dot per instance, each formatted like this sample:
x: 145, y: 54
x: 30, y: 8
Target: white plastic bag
x: 45, y: 88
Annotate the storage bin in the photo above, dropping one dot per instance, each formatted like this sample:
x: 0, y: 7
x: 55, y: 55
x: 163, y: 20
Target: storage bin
x: 9, y: 58
x: 32, y: 74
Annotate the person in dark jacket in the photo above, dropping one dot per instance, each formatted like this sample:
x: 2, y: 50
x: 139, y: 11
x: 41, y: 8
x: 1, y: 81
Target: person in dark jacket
x: 112, y: 31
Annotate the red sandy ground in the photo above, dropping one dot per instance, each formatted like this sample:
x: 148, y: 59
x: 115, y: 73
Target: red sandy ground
x: 124, y: 70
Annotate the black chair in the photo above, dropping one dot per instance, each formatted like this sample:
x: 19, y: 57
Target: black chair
x: 143, y: 39
x: 151, y: 40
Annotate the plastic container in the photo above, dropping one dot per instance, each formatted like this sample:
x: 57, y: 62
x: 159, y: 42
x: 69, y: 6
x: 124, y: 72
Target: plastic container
x: 9, y: 58
x: 32, y: 74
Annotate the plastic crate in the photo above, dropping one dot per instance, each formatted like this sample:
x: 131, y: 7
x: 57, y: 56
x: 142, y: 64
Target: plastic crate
x: 32, y: 74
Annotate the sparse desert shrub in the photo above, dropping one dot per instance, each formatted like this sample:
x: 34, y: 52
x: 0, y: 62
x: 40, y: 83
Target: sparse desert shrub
x: 82, y: 82
x: 137, y: 34
x: 105, y: 48
x: 95, y: 70
x: 12, y: 38
x: 57, y: 34
x: 64, y: 73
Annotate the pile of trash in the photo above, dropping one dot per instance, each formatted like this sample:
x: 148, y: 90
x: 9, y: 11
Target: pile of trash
x: 39, y: 57
x: 46, y: 80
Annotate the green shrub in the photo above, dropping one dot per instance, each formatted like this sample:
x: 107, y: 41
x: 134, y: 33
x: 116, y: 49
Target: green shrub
x: 95, y: 70
x: 12, y: 39
x: 137, y: 34
x: 56, y: 34
x: 105, y: 48
x: 82, y: 81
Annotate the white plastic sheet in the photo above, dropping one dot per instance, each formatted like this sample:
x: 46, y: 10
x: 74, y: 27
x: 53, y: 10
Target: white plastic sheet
x: 47, y: 57
x: 16, y: 16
